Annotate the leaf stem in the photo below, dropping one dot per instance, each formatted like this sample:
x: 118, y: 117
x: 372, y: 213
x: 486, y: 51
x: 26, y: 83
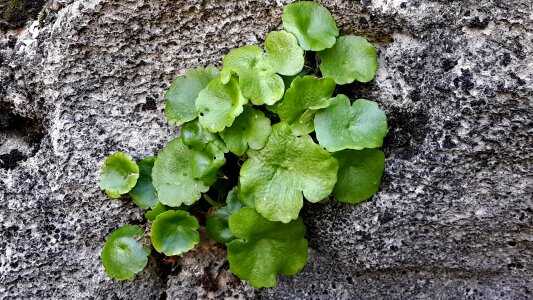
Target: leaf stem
x: 212, y: 202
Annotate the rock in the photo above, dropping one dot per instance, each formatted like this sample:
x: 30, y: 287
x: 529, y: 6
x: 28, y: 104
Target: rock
x: 453, y: 218
x: 14, y: 13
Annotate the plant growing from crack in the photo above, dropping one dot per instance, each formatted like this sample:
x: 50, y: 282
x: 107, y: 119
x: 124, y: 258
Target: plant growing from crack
x: 257, y: 138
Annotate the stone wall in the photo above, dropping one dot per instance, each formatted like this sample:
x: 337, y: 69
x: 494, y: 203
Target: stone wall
x: 453, y: 218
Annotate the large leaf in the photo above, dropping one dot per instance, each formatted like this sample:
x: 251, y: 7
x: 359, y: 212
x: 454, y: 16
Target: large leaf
x: 182, y: 94
x: 250, y: 129
x: 359, y: 174
x: 284, y: 54
x: 172, y: 175
x: 306, y: 95
x: 123, y: 256
x: 265, y: 249
x: 119, y: 174
x: 174, y: 232
x: 312, y: 24
x: 218, y: 104
x: 341, y: 126
x: 352, y: 58
x: 276, y: 175
x: 144, y: 194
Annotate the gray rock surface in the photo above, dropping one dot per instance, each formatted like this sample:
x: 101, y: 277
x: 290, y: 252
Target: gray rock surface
x: 453, y: 218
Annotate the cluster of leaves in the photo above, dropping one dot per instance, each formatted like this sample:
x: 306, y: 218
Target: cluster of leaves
x: 263, y: 134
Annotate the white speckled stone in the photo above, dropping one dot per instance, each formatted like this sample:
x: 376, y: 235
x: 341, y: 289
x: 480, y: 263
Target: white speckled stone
x: 453, y: 218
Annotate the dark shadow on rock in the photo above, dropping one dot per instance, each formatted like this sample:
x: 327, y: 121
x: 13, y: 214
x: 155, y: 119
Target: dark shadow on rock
x: 20, y: 137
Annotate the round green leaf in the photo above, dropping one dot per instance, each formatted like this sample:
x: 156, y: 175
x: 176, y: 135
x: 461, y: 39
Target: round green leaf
x: 123, y: 256
x: 182, y: 94
x: 284, y: 54
x: 352, y: 58
x: 312, y: 24
x: 174, y: 232
x: 276, y: 175
x: 359, y: 174
x: 218, y: 104
x: 143, y: 194
x: 172, y: 175
x: 250, y: 129
x: 119, y: 174
x: 265, y: 249
x: 341, y: 126
x: 306, y: 95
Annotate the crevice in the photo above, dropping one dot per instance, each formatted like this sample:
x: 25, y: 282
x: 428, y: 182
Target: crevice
x: 20, y: 137
x: 165, y: 267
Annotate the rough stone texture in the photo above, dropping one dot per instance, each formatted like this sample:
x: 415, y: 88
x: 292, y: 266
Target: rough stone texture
x: 453, y: 218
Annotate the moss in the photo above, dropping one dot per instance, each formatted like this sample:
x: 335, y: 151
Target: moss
x: 15, y: 13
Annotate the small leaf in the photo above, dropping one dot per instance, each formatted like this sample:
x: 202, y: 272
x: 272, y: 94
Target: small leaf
x: 175, y: 232
x: 219, y: 104
x: 156, y: 211
x: 352, y: 58
x: 265, y: 249
x: 276, y: 175
x: 119, y: 174
x: 312, y: 24
x: 306, y: 95
x: 359, y: 174
x: 207, y: 151
x: 195, y: 136
x: 284, y: 54
x: 233, y: 203
x: 205, y: 164
x: 217, y: 225
x: 172, y: 175
x: 143, y: 194
x: 341, y: 126
x: 122, y: 256
x: 250, y: 129
x: 182, y: 94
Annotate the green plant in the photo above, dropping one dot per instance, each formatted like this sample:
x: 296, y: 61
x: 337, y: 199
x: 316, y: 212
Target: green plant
x: 254, y: 163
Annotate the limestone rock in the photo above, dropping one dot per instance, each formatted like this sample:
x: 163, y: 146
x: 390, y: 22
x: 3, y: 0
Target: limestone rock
x: 453, y: 218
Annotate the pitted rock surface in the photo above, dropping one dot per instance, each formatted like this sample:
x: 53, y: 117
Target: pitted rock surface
x: 453, y: 218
